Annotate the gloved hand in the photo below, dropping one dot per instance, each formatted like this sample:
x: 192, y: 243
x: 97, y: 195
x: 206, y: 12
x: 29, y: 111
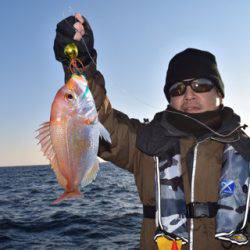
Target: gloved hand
x: 74, y: 29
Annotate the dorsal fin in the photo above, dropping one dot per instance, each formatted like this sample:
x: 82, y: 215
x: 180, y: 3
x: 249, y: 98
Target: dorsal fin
x: 44, y: 140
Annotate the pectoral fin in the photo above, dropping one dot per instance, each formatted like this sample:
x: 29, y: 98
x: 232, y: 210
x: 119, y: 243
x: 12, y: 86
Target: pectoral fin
x: 104, y: 133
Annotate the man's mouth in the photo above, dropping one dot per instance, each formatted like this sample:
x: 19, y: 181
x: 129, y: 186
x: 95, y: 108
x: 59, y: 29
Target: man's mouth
x: 191, y: 109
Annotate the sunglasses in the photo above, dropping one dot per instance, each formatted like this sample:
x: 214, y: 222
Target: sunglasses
x: 200, y: 85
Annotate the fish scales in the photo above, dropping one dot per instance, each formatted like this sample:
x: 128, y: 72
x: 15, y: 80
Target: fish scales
x: 71, y: 139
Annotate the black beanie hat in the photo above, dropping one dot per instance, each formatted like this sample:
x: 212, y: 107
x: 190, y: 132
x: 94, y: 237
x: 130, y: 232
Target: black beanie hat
x: 193, y: 63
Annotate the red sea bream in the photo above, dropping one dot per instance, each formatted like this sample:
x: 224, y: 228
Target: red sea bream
x: 70, y: 140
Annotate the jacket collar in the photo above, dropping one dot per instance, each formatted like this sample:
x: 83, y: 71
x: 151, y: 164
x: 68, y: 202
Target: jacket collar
x: 159, y: 135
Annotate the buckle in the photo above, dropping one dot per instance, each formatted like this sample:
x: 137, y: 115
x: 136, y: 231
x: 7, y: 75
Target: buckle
x: 202, y: 209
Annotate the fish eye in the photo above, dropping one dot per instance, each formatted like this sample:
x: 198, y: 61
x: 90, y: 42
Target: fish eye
x: 69, y: 97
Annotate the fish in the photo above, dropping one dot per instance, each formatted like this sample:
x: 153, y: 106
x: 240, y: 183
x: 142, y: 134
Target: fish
x: 70, y: 140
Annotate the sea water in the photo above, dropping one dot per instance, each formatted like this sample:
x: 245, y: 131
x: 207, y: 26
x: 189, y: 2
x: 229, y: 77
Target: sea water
x: 107, y: 217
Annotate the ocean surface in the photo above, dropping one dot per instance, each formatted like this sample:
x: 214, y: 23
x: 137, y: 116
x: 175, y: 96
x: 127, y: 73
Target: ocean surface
x: 107, y: 217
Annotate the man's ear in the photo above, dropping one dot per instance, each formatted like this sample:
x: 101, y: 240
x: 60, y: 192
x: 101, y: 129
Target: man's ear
x: 219, y: 93
x: 220, y: 96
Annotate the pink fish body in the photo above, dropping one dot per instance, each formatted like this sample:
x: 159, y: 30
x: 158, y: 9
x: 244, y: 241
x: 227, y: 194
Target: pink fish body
x: 71, y: 139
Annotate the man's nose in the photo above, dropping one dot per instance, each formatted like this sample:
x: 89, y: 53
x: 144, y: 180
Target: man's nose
x: 189, y: 94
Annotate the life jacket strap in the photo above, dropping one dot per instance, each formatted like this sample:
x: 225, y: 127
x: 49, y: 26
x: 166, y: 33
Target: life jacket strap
x: 202, y: 209
x: 149, y: 212
x: 194, y: 210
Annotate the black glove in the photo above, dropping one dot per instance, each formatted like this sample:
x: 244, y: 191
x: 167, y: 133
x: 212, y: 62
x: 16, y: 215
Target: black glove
x: 64, y: 35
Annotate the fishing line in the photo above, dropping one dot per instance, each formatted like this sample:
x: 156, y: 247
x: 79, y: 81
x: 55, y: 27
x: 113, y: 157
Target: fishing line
x: 187, y: 116
x: 140, y: 100
x: 206, y: 126
x: 117, y: 86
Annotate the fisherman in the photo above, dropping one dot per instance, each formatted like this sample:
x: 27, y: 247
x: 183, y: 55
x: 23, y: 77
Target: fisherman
x: 190, y: 163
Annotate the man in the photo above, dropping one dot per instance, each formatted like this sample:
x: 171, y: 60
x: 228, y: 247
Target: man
x: 195, y: 152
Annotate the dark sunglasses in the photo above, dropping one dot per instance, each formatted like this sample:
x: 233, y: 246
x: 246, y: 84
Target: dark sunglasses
x: 200, y: 85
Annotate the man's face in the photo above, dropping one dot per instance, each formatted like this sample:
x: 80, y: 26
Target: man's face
x: 193, y: 102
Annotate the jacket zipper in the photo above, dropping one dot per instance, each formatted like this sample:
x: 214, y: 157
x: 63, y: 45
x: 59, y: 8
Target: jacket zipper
x: 191, y: 237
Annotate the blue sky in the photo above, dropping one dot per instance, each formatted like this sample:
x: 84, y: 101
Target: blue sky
x: 135, y: 41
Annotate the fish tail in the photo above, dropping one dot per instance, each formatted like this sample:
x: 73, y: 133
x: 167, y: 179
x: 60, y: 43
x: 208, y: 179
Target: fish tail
x: 68, y: 195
